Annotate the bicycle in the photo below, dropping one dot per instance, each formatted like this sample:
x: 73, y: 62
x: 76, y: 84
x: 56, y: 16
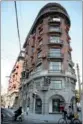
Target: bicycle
x: 69, y: 119
x: 19, y: 118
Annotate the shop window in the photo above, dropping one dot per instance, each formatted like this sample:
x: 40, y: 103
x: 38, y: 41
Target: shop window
x: 57, y: 105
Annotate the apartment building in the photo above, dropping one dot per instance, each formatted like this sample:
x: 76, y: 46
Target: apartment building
x: 48, y: 77
x: 14, y: 82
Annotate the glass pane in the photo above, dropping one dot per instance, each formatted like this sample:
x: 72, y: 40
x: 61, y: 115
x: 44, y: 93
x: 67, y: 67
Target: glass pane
x: 55, y: 66
x: 39, y: 68
x: 54, y: 39
x: 54, y: 28
x: 55, y: 52
x: 56, y: 84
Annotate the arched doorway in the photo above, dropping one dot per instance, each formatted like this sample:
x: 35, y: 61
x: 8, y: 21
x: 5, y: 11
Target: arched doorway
x: 38, y: 105
x: 56, y: 104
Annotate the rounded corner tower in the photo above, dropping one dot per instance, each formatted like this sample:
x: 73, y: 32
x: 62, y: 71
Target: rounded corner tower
x: 48, y: 83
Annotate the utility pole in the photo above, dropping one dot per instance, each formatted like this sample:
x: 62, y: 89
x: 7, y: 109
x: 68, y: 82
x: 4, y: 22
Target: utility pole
x: 82, y: 101
x: 80, y: 91
x: 17, y: 25
x: 79, y: 83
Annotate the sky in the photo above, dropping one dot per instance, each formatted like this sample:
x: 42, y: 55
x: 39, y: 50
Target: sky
x: 27, y: 12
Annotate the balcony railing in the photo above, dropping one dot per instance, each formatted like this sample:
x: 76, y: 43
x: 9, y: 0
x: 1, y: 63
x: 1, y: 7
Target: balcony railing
x: 54, y: 20
x: 71, y: 63
x: 39, y: 61
x: 59, y: 42
x: 55, y: 56
x: 55, y: 71
x: 71, y: 73
x: 44, y: 88
x: 54, y: 29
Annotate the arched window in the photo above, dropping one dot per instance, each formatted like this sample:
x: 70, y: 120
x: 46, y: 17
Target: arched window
x: 56, y: 104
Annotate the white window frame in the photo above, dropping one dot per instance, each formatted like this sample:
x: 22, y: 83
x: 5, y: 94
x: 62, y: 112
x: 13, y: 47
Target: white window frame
x: 51, y: 66
x: 55, y: 52
x: 54, y: 28
x: 54, y: 39
x: 56, y: 84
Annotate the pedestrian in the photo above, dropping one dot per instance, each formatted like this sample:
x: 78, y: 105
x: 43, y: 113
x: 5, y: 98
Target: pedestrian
x: 70, y: 112
x: 1, y: 116
x: 27, y: 110
x: 18, y: 112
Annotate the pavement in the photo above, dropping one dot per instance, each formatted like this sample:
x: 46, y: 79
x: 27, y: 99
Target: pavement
x: 32, y: 118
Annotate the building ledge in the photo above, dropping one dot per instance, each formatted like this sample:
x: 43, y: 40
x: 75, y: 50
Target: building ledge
x: 48, y: 73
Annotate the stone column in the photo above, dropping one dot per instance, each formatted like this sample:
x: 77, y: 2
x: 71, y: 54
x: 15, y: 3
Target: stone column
x: 31, y: 103
x: 45, y: 107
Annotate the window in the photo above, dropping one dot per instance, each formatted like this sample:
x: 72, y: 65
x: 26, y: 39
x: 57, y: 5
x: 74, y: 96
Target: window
x: 69, y: 56
x: 13, y: 76
x: 39, y: 68
x: 17, y: 66
x: 39, y: 54
x: 16, y: 73
x: 54, y: 39
x: 40, y: 43
x: 72, y: 85
x: 55, y: 84
x: 54, y: 19
x: 55, y: 52
x: 55, y: 66
x: 57, y: 105
x: 70, y: 69
x: 37, y: 85
x: 54, y: 28
x: 14, y: 86
x: 32, y: 49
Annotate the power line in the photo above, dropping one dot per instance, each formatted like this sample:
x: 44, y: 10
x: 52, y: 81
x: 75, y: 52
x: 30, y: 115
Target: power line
x: 17, y: 25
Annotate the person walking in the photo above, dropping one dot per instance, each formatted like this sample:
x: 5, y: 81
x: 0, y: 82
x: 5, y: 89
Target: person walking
x: 70, y: 112
x: 18, y: 112
x: 27, y: 110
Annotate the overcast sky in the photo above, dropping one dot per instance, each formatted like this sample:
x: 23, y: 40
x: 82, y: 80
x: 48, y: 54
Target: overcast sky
x: 27, y: 12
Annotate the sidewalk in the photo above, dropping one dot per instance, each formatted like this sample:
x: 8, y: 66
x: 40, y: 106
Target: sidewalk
x: 36, y: 118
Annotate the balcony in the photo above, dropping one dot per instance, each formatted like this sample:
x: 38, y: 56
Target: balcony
x: 55, y: 71
x: 54, y: 21
x: 57, y: 20
x: 39, y: 61
x: 54, y: 30
x: 71, y: 73
x: 25, y: 74
x: 44, y: 88
x: 54, y: 42
x: 71, y: 63
x: 21, y: 55
x: 55, y: 56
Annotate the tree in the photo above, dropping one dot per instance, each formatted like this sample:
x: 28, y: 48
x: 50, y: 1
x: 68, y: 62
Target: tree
x: 77, y: 96
x: 2, y: 101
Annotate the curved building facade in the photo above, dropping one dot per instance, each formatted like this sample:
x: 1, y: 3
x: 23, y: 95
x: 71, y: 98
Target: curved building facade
x: 48, y: 80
